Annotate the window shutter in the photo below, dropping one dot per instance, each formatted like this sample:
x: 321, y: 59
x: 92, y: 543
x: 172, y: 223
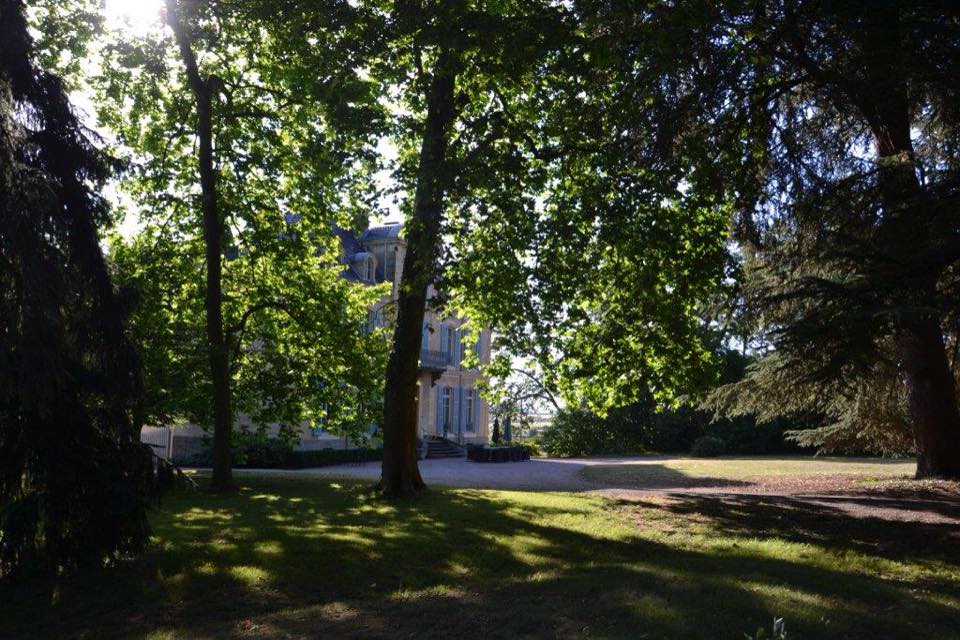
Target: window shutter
x: 457, y: 354
x: 443, y: 337
x: 425, y: 340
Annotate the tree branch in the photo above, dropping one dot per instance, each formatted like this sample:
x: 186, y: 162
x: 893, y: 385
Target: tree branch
x: 539, y: 383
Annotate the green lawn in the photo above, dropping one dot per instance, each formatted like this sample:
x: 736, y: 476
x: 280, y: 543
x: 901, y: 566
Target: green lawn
x: 310, y: 558
x: 731, y: 471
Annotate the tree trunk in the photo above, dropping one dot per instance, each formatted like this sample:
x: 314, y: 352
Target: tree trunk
x: 931, y: 399
x: 930, y: 386
x: 400, y: 475
x: 212, y: 233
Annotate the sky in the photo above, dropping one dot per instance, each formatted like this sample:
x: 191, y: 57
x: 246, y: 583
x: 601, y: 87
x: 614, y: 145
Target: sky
x: 142, y: 17
x: 138, y: 17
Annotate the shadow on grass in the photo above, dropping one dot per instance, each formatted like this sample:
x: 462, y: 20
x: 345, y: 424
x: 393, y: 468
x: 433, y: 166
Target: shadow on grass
x: 892, y: 528
x: 654, y: 476
x: 300, y: 559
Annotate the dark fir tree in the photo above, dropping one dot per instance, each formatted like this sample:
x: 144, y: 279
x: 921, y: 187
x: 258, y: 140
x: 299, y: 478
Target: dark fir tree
x: 73, y: 474
x: 829, y: 131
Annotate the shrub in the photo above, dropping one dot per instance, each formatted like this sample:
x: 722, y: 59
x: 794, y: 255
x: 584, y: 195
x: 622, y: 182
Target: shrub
x: 533, y: 448
x: 257, y: 450
x: 275, y: 454
x: 707, y: 447
x: 579, y: 432
x: 638, y: 428
x: 327, y: 457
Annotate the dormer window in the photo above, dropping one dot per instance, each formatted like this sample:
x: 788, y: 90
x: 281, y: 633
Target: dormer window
x: 369, y: 270
x: 365, y: 266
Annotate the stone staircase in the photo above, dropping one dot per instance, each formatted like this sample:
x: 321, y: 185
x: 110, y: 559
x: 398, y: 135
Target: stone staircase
x: 438, y: 447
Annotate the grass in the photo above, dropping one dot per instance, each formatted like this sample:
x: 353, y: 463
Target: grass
x: 729, y: 471
x: 311, y: 558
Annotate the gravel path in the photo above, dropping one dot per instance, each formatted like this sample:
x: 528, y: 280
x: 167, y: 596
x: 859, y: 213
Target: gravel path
x: 534, y: 475
x: 895, y: 500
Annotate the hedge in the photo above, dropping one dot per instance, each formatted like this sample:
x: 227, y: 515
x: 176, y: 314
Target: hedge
x: 278, y: 457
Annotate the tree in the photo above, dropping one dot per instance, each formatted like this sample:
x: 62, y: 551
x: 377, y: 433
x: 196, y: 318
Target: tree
x: 282, y: 158
x: 548, y: 229
x: 867, y: 415
x: 400, y: 474
x: 586, y: 259
x: 829, y: 132
x: 445, y: 61
x: 205, y: 90
x: 74, y: 478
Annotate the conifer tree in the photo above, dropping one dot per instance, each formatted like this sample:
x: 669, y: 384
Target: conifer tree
x: 74, y: 477
x: 830, y: 133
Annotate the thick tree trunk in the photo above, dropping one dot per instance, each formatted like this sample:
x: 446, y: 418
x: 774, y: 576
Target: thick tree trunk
x: 212, y: 233
x: 931, y: 398
x: 931, y: 390
x: 400, y: 475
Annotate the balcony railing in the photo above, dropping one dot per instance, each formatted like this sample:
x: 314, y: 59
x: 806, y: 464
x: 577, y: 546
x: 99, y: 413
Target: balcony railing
x: 434, y: 360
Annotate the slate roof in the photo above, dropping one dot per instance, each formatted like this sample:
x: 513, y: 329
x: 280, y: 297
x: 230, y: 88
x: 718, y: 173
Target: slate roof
x: 384, y: 232
x: 351, y: 247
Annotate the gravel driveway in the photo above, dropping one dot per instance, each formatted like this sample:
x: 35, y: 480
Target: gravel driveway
x: 902, y: 501
x: 539, y: 474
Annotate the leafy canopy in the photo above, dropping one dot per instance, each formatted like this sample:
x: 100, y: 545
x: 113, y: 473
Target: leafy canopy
x: 294, y: 156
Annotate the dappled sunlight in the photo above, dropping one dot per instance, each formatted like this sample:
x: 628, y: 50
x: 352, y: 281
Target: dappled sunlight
x: 268, y: 548
x: 439, y: 591
x: 270, y: 497
x: 198, y: 514
x: 294, y: 559
x: 791, y: 598
x: 249, y: 574
x: 693, y: 527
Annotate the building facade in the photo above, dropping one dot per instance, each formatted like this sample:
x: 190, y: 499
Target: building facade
x: 449, y: 403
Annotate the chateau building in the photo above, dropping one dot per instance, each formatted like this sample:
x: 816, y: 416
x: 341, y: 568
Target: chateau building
x: 449, y: 405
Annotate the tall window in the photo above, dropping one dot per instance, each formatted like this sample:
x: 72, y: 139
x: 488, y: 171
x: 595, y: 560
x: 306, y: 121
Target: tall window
x: 447, y: 409
x: 390, y: 264
x: 451, y: 340
x: 471, y: 404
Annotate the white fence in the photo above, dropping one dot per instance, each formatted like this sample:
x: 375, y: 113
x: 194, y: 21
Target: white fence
x: 160, y: 440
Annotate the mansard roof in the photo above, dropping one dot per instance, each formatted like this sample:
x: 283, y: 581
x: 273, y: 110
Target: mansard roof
x: 349, y: 244
x: 349, y: 248
x: 354, y: 249
x: 382, y: 233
